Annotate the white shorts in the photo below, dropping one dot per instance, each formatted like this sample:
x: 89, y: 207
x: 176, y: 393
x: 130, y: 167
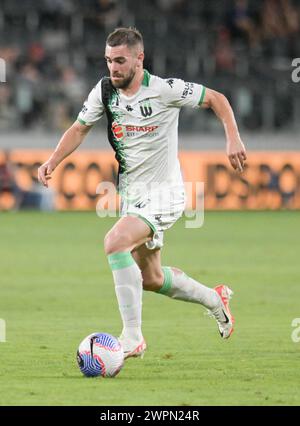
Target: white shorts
x: 159, y: 209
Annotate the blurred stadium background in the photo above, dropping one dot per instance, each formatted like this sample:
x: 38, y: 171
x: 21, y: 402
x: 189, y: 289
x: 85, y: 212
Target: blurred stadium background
x: 53, y: 51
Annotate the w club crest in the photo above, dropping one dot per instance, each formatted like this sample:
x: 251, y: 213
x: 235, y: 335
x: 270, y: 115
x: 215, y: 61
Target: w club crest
x: 145, y: 108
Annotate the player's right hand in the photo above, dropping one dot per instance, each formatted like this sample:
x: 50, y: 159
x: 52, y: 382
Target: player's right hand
x: 45, y: 171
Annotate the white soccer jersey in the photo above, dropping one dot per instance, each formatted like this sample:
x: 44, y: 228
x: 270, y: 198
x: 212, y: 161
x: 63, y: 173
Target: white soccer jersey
x: 143, y: 128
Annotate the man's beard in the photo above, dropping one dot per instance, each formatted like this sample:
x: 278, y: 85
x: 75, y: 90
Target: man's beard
x: 125, y: 82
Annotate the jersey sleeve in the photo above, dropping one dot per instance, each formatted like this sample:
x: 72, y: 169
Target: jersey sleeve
x: 180, y: 93
x: 93, y: 108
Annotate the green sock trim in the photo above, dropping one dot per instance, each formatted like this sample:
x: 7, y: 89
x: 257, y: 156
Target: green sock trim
x: 120, y: 260
x: 167, y: 281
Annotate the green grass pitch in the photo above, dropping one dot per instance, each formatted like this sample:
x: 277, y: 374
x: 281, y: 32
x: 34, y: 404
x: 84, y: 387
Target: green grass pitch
x: 56, y: 288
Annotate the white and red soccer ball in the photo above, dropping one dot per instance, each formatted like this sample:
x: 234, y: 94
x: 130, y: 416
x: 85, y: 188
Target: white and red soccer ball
x: 100, y: 354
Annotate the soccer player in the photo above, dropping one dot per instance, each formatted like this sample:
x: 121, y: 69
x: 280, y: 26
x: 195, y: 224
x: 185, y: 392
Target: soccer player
x: 142, y: 112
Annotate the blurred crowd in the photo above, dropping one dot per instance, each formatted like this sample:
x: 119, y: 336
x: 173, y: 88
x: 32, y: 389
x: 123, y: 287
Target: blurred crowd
x: 53, y: 50
x: 13, y: 196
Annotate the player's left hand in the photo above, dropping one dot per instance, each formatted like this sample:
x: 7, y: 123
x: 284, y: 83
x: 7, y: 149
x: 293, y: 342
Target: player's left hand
x: 236, y: 153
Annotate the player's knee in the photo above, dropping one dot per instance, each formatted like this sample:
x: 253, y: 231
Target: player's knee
x: 115, y: 242
x: 152, y: 281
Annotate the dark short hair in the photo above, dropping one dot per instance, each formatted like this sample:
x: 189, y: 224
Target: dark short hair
x: 130, y: 37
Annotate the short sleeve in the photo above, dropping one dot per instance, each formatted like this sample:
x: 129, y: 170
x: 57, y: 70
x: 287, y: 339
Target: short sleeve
x: 180, y: 93
x: 93, y: 107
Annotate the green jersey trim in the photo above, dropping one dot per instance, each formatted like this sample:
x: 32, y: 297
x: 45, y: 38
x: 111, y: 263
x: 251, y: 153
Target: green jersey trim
x: 81, y: 121
x: 202, y: 96
x: 146, y: 79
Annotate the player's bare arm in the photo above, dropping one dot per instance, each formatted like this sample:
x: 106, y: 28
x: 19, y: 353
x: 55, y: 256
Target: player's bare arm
x: 70, y: 140
x: 235, y: 148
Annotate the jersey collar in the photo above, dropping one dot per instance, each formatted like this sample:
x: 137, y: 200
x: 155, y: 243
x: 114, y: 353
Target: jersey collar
x: 146, y: 78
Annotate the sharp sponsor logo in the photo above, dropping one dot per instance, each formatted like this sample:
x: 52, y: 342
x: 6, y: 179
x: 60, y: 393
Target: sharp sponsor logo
x: 141, y: 128
x: 120, y: 130
x: 188, y: 90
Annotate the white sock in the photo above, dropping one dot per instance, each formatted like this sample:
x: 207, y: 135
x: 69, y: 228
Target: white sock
x: 178, y: 285
x: 129, y: 290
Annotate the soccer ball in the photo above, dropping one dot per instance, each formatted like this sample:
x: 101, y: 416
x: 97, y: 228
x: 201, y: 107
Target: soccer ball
x: 100, y: 354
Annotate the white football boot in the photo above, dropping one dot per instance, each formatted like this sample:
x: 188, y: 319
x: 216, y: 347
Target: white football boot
x: 221, y: 313
x: 132, y: 348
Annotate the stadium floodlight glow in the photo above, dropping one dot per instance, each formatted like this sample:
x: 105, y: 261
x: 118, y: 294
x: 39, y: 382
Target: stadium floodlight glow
x: 2, y: 71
